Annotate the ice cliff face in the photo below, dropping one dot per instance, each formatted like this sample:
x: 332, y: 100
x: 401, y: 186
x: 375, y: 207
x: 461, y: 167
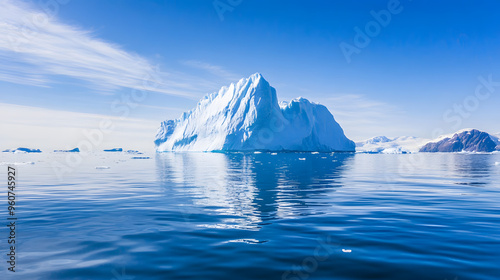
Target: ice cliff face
x: 471, y: 140
x: 246, y: 117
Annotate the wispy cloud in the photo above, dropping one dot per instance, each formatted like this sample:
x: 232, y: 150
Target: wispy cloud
x: 58, y: 129
x: 36, y: 49
x: 216, y: 70
x: 363, y: 117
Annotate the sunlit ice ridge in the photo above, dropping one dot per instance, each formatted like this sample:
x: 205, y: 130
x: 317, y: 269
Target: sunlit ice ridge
x: 247, y: 116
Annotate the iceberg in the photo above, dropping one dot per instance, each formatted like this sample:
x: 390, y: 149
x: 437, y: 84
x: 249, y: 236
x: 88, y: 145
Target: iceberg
x: 75, y: 150
x: 114, y: 150
x: 133, y: 152
x: 22, y: 150
x: 247, y: 116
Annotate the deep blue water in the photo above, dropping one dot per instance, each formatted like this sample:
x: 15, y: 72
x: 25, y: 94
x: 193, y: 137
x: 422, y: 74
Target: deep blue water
x: 257, y: 216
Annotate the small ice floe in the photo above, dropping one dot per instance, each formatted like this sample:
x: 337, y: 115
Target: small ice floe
x: 273, y: 154
x: 257, y: 152
x: 75, y: 150
x: 114, y: 150
x: 303, y: 158
x: 140, y: 157
x: 22, y: 150
x: 315, y: 153
x: 134, y: 152
x: 102, y: 167
x: 17, y: 163
x: 346, y: 250
x: 248, y: 241
x: 497, y: 163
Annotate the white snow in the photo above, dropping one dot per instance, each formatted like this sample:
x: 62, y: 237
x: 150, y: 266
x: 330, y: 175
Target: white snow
x: 246, y: 117
x: 385, y: 145
x: 495, y: 138
x: 450, y: 135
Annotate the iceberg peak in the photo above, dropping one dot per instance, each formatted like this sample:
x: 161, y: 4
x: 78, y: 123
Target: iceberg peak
x: 246, y: 116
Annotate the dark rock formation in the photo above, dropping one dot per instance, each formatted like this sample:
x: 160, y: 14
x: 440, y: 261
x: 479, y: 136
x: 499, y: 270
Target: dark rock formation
x: 468, y: 141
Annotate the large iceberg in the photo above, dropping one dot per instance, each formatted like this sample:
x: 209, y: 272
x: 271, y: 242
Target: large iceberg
x: 247, y: 117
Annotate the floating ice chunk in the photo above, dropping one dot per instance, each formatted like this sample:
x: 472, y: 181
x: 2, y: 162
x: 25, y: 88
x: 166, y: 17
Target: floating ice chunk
x: 497, y: 163
x: 315, y: 153
x: 102, y: 167
x: 248, y: 241
x: 17, y: 163
x: 302, y: 158
x: 273, y: 154
x: 22, y: 150
x: 114, y: 150
x: 133, y: 152
x: 346, y: 250
x: 75, y: 150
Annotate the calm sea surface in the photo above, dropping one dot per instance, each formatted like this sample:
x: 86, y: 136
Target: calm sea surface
x: 255, y: 216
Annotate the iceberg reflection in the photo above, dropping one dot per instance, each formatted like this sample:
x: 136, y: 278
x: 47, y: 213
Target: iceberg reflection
x: 248, y: 191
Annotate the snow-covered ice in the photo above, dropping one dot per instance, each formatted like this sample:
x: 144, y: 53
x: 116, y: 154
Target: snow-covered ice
x: 247, y: 117
x: 22, y: 150
x: 385, y: 145
x: 75, y: 150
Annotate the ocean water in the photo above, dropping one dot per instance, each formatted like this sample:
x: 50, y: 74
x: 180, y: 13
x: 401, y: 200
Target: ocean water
x: 255, y: 216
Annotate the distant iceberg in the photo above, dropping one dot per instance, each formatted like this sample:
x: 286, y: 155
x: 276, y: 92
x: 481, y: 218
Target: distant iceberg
x: 114, y: 150
x: 133, y: 152
x: 75, y: 150
x: 22, y: 150
x: 385, y: 145
x: 248, y: 117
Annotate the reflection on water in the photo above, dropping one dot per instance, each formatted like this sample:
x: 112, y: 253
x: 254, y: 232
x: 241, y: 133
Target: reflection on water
x: 251, y: 189
x: 257, y: 216
x: 473, y: 170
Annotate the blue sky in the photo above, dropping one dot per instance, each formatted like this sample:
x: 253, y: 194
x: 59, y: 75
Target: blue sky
x: 80, y: 61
